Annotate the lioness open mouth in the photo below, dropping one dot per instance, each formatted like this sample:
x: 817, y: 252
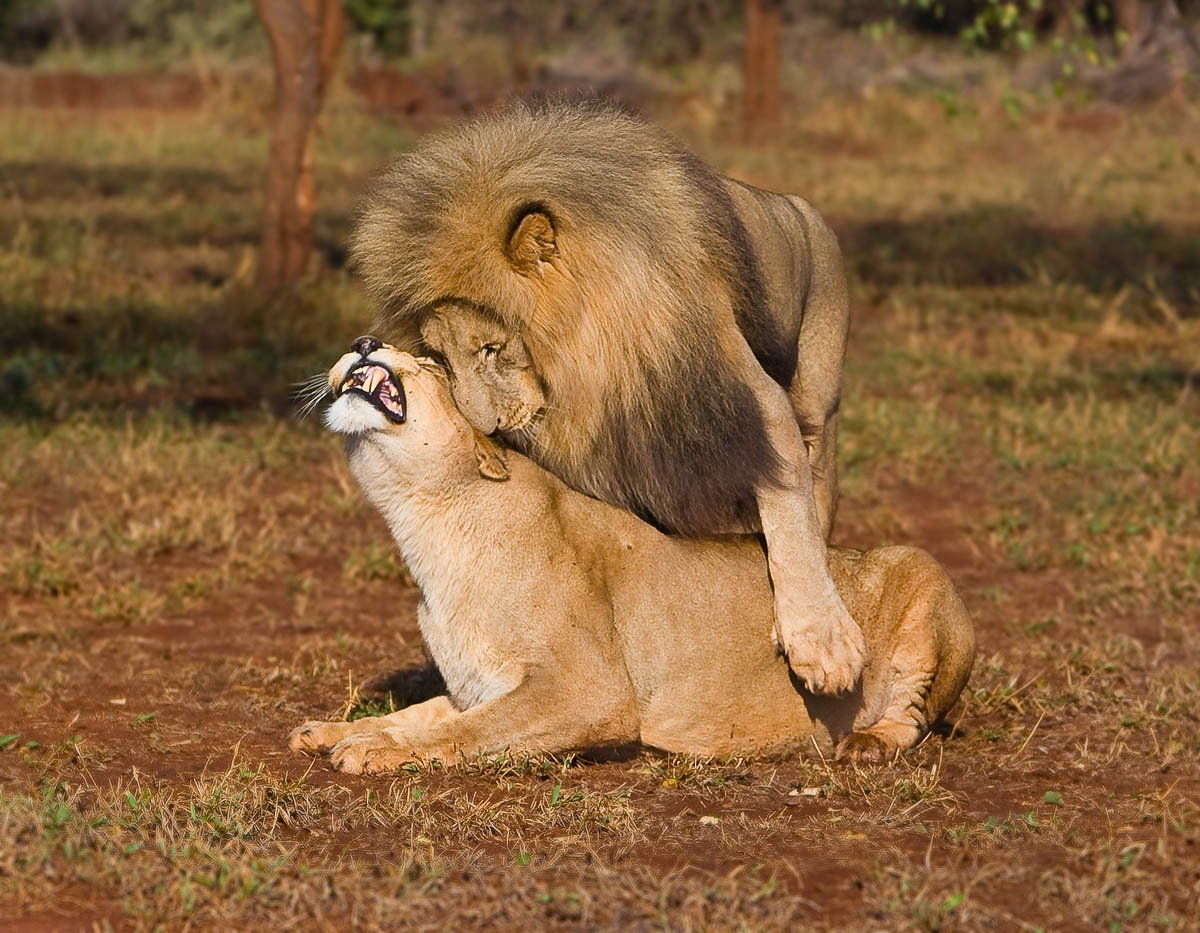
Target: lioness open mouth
x: 376, y: 384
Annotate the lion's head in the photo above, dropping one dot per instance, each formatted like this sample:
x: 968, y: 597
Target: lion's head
x: 491, y: 372
x: 576, y: 226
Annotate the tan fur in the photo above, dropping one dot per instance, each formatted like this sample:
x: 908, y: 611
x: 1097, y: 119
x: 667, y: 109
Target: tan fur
x: 561, y: 623
x: 686, y: 331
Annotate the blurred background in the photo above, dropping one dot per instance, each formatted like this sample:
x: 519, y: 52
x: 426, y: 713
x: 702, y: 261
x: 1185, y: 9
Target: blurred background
x: 157, y: 192
x: 1016, y: 189
x: 156, y: 197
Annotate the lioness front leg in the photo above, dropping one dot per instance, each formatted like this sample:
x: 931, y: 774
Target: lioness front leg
x: 541, y: 715
x: 317, y: 737
x: 823, y: 643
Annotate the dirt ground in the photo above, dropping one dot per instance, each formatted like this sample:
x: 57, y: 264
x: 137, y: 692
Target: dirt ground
x: 187, y: 572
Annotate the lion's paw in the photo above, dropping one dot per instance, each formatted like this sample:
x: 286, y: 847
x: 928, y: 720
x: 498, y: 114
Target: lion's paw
x: 827, y: 653
x: 316, y: 737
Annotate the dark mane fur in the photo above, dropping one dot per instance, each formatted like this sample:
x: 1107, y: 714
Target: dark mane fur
x: 693, y: 470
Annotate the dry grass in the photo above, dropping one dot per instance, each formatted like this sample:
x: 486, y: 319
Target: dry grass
x: 186, y: 572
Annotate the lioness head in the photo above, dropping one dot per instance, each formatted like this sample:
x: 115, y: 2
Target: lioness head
x: 401, y: 404
x: 492, y: 375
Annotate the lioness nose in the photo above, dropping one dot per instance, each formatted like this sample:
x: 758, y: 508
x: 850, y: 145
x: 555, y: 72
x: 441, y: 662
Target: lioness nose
x: 366, y: 344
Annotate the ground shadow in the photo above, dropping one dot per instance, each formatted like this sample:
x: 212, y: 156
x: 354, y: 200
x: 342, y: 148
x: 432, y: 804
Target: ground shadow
x: 132, y: 354
x: 48, y: 180
x: 407, y: 686
x: 999, y: 244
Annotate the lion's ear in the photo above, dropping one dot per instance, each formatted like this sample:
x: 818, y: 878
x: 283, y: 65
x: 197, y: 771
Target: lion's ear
x: 532, y: 243
x: 433, y: 331
x: 489, y: 455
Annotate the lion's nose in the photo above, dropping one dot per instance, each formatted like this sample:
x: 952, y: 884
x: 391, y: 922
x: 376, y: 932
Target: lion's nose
x: 366, y: 345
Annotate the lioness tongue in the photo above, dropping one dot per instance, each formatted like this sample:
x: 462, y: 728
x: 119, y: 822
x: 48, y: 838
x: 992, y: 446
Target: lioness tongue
x: 387, y: 397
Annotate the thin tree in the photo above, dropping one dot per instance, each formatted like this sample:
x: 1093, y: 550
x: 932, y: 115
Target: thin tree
x: 1127, y: 14
x: 305, y: 36
x: 763, y: 95
x: 1160, y: 52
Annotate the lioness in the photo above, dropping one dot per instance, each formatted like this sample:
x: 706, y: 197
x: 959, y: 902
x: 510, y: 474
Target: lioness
x: 562, y: 623
x: 687, y: 330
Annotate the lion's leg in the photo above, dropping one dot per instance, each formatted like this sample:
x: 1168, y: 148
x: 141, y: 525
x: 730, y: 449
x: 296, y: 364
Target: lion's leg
x: 822, y: 458
x: 824, y: 645
x: 542, y: 714
x: 815, y: 393
x: 318, y: 737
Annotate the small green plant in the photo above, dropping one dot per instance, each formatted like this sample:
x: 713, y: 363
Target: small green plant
x: 376, y: 562
x: 366, y: 707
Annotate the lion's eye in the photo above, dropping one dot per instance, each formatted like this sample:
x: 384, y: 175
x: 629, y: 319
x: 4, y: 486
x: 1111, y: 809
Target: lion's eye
x: 491, y: 351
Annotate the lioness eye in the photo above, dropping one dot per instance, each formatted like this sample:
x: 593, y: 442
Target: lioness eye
x: 491, y: 351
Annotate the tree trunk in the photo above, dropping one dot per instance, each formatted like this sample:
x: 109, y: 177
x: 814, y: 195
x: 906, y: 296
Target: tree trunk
x: 1127, y: 16
x: 521, y: 17
x: 305, y: 37
x: 763, y: 98
x: 418, y: 29
x: 1067, y: 15
x: 1158, y: 56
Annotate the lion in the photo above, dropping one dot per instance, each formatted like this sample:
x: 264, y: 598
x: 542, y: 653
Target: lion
x: 561, y: 623
x: 687, y: 332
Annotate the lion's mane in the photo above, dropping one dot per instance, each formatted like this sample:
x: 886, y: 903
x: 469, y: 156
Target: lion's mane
x: 634, y: 339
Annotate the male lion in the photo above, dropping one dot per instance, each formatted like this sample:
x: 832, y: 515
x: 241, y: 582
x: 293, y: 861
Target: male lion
x: 688, y: 331
x: 562, y: 623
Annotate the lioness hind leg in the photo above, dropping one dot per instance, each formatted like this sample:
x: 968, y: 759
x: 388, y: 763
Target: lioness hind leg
x: 922, y: 656
x: 864, y: 747
x: 901, y: 727
x: 533, y: 717
x: 902, y: 667
x: 319, y: 737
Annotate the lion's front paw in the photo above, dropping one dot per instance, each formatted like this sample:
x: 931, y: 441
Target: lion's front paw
x: 862, y: 747
x: 315, y: 737
x: 825, y: 648
x: 368, y: 754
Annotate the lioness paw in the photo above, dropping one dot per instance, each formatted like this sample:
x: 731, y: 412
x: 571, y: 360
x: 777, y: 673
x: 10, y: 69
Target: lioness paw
x: 826, y: 650
x: 368, y: 754
x: 315, y: 737
x: 862, y: 747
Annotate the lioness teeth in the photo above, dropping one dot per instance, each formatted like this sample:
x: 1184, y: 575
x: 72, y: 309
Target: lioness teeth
x: 368, y: 378
x: 375, y: 381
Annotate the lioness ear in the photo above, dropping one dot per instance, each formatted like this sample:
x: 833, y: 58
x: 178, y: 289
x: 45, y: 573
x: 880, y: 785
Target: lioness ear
x: 532, y: 243
x: 491, y: 459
